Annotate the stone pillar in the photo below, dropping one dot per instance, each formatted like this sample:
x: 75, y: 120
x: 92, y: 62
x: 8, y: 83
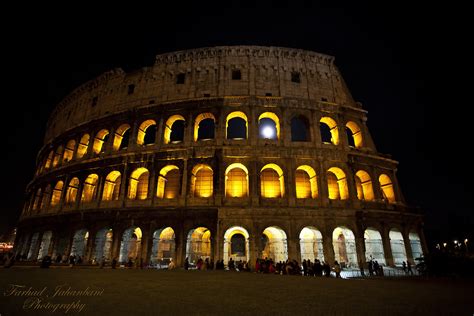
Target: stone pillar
x: 387, y: 248
x: 152, y: 181
x: 360, y: 249
x: 34, y: 255
x: 406, y: 241
x: 184, y: 183
x: 116, y: 241
x: 328, y: 248
x: 124, y: 184
x: 424, y: 245
x: 323, y: 185
x: 180, y: 242
x: 53, y: 246
x: 290, y: 183
x: 293, y: 252
x: 220, y: 128
x: 146, y: 245
x: 132, y: 141
x: 88, y: 252
x: 317, y: 130
x: 254, y: 251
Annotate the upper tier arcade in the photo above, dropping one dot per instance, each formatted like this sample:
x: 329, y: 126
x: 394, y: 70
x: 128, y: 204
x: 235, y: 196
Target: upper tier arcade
x: 215, y: 72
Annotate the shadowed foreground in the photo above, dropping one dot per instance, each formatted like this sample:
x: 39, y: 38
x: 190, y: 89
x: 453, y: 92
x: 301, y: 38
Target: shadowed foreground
x: 152, y: 292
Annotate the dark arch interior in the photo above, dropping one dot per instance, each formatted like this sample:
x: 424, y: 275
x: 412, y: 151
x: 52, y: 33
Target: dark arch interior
x: 350, y: 138
x: 177, y: 131
x: 206, y: 129
x: 325, y: 133
x: 125, y: 139
x: 150, y: 135
x: 236, y: 128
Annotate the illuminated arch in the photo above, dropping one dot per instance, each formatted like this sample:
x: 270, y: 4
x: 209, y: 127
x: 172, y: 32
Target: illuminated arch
x: 311, y: 244
x: 236, y: 180
x: 72, y: 188
x: 300, y: 129
x: 202, y: 181
x: 57, y: 191
x: 168, y: 182
x: 415, y: 244
x: 364, y: 186
x: 44, y: 245
x: 130, y: 245
x: 337, y: 184
x: 171, y: 130
x: 112, y: 186
x: 374, y: 245
x: 49, y: 160
x: 103, y: 245
x: 138, y: 186
x: 272, y: 184
x: 397, y: 245
x: 235, y: 124
x: 121, y: 138
x: 69, y: 150
x: 202, y: 118
x: 236, y: 249
x: 58, y: 156
x: 387, y: 188
x: 273, y: 117
x: 355, y: 134
x: 89, y: 188
x: 163, y: 249
x: 343, y: 241
x: 198, y: 244
x: 332, y: 125
x: 274, y: 244
x: 146, y: 133
x: 82, y: 147
x: 100, y: 138
x: 306, y: 182
x: 79, y: 243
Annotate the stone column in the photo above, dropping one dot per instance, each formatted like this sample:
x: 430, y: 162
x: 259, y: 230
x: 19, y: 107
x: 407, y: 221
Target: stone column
x: 360, y: 249
x: 387, y: 248
x: 180, y: 242
x: 116, y: 241
x: 88, y: 253
x: 293, y: 252
x: 406, y: 241
x: 254, y: 251
x: 146, y: 245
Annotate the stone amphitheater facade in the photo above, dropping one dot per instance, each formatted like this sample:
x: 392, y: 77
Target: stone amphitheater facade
x: 235, y: 151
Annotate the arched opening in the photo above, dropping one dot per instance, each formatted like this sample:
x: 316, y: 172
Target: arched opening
x: 237, y: 126
x: 415, y: 244
x: 204, y: 126
x: 71, y: 193
x: 100, y: 139
x: 236, y: 181
x: 103, y: 245
x: 169, y: 183
x: 79, y: 243
x: 269, y: 126
x: 329, y: 132
x: 198, y: 245
x: 146, y: 133
x: 274, y: 244
x: 49, y: 160
x: 364, y: 188
x: 343, y: 241
x: 82, y: 147
x: 131, y: 245
x: 89, y: 189
x: 112, y: 186
x: 121, y: 137
x: 33, y: 244
x: 45, y: 243
x: 374, y: 246
x: 46, y: 198
x: 138, y: 186
x: 37, y: 201
x: 174, y: 129
x: 386, y: 187
x: 354, y: 135
x: 306, y: 183
x: 311, y: 244
x: 236, y: 244
x: 57, y: 156
x: 56, y: 196
x: 398, y: 247
x: 300, y: 129
x: 202, y: 181
x: 163, y: 250
x: 272, y: 184
x: 69, y: 151
x: 337, y: 184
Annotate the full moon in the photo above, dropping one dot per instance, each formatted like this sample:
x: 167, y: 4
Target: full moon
x: 268, y: 132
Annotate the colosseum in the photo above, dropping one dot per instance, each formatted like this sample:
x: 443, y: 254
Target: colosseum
x: 239, y: 152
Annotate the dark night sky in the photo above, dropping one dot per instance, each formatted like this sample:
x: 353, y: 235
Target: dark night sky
x: 406, y: 65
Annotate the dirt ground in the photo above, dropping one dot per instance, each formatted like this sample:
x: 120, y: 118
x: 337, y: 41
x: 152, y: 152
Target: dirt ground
x: 76, y: 291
